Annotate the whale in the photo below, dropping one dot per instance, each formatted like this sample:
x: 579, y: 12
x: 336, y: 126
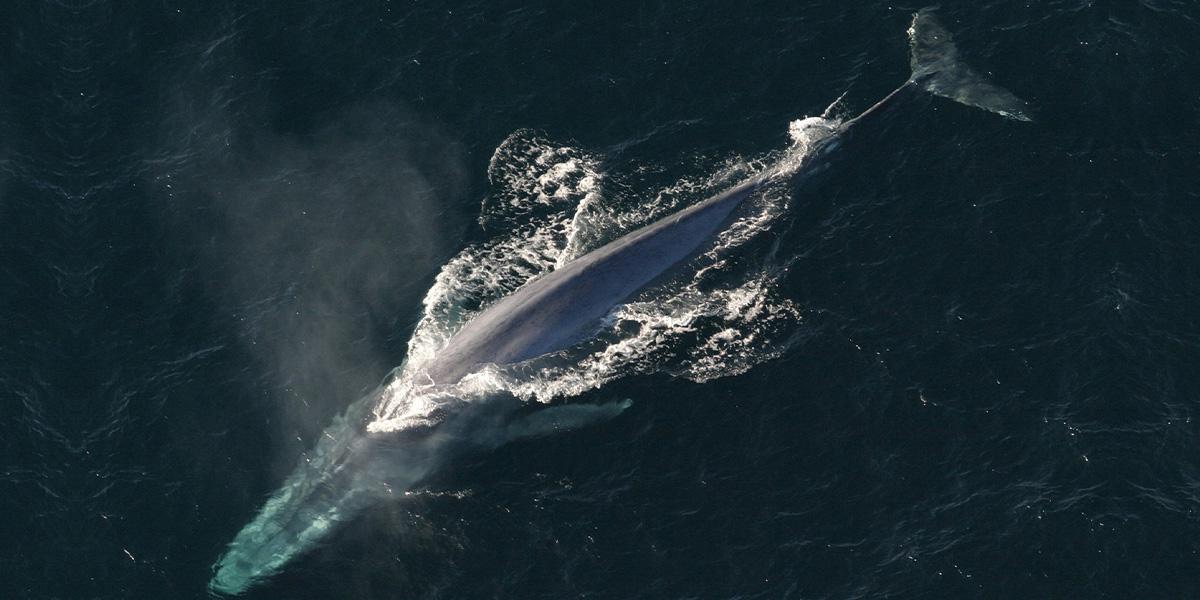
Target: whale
x: 352, y: 467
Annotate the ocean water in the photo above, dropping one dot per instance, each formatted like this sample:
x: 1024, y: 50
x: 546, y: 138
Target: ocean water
x: 962, y: 364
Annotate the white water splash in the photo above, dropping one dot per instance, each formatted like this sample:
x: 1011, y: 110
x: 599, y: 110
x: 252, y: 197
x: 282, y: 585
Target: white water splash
x: 549, y: 206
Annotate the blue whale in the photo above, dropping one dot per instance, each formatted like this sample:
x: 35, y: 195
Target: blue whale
x: 351, y: 468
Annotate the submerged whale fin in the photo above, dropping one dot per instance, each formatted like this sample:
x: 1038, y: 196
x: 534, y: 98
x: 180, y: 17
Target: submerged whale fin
x: 937, y: 69
x: 567, y: 417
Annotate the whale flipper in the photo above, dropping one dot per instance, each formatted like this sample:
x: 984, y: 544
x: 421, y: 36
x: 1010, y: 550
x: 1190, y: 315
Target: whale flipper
x: 937, y: 69
x: 567, y: 417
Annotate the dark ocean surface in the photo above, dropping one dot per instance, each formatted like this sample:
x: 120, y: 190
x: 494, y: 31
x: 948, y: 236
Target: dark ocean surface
x: 218, y: 221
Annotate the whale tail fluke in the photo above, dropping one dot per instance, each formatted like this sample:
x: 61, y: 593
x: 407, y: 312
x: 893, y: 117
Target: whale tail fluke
x: 937, y: 69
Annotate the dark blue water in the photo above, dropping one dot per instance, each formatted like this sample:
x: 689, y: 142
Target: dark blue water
x: 218, y: 220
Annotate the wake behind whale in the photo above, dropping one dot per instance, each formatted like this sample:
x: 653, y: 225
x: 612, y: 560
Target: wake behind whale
x: 548, y: 311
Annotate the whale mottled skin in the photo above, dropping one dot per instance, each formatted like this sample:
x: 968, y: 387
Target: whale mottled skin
x: 351, y: 467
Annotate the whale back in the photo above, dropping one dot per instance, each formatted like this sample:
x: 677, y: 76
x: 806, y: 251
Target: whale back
x: 549, y: 313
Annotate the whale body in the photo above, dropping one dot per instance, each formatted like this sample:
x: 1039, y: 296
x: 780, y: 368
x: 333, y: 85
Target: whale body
x: 548, y: 313
x: 351, y: 467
